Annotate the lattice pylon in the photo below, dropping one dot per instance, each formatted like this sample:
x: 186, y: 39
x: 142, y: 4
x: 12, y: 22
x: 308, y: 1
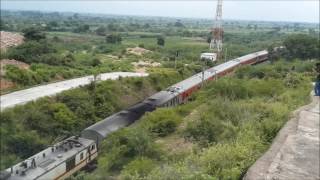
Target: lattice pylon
x: 217, y: 31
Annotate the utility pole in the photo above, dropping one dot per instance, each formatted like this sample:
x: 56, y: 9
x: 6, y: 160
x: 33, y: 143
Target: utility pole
x: 225, y: 55
x: 175, y: 59
x: 202, y: 73
x: 217, y: 32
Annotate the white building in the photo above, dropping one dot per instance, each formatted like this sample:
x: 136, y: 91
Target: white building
x: 208, y: 56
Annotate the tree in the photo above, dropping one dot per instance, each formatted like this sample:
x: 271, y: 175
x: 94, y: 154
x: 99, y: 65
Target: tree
x: 82, y: 28
x: 95, y: 62
x: 112, y: 27
x: 52, y: 25
x: 302, y: 46
x: 178, y: 24
x: 101, y: 31
x: 160, y: 41
x: 146, y: 26
x: 31, y: 51
x: 273, y: 55
x: 113, y: 38
x: 33, y: 34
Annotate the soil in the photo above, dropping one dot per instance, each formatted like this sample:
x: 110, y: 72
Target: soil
x: 141, y: 66
x: 137, y: 51
x: 4, y: 83
x: 8, y: 39
x: 14, y: 62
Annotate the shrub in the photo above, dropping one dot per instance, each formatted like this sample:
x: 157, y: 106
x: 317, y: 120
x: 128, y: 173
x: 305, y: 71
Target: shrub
x: 161, y: 122
x: 138, y: 168
x: 113, y: 38
x: 302, y: 46
x: 30, y: 51
x: 33, y: 34
x: 122, y: 146
x: 19, y: 76
x: 160, y: 41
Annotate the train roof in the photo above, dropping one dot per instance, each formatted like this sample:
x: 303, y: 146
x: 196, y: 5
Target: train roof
x: 188, y: 83
x: 103, y: 128
x: 47, y: 159
x: 161, y: 97
x: 252, y: 55
x: 224, y: 66
x: 112, y: 123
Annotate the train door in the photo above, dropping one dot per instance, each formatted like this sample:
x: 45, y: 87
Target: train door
x: 88, y: 156
x: 71, y: 163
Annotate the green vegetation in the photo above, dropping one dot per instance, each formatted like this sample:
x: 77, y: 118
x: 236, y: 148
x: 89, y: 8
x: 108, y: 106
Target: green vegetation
x: 48, y: 120
x: 160, y: 41
x: 69, y: 45
x: 302, y: 46
x: 33, y: 34
x: 218, y: 135
x: 113, y: 38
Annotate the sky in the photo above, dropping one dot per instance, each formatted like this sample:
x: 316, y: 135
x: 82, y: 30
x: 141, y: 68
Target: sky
x: 265, y: 10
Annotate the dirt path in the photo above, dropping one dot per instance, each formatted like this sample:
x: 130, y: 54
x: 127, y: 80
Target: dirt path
x: 294, y: 153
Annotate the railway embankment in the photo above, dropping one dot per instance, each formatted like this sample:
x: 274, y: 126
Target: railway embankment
x: 294, y: 153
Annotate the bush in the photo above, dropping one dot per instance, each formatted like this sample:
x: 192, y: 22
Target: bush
x: 113, y: 38
x: 95, y: 62
x: 30, y: 51
x: 160, y: 41
x: 302, y: 46
x: 138, y: 168
x: 20, y: 76
x: 122, y: 146
x: 161, y: 122
x: 33, y: 34
x: 25, y: 143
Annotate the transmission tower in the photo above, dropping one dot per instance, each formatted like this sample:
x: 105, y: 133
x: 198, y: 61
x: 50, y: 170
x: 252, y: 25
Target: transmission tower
x: 217, y: 32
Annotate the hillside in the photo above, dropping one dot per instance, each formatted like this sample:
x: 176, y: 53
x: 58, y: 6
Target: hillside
x: 218, y: 135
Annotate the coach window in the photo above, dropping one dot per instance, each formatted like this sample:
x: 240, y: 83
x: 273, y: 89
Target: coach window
x: 81, y: 156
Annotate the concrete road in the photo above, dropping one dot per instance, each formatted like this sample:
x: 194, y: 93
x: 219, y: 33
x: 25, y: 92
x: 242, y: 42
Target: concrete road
x: 294, y: 153
x: 24, y: 96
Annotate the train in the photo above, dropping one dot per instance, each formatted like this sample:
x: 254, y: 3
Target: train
x: 68, y: 156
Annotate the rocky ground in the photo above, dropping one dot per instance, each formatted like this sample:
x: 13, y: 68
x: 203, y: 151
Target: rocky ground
x: 294, y: 153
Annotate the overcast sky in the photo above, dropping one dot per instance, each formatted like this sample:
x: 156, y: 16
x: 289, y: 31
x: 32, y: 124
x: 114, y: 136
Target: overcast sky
x: 268, y: 10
